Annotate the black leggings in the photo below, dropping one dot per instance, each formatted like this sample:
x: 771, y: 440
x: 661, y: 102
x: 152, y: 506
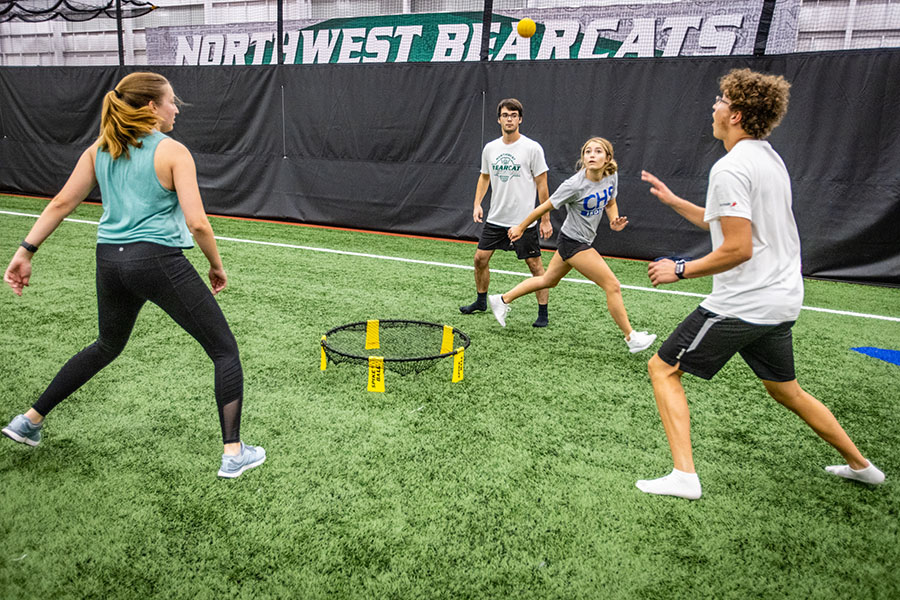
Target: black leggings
x: 129, y: 275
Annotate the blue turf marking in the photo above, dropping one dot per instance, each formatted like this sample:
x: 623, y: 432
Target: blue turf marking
x: 891, y: 356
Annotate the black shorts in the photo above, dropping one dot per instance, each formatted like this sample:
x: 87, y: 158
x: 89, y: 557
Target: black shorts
x: 566, y: 247
x: 494, y: 237
x: 705, y: 341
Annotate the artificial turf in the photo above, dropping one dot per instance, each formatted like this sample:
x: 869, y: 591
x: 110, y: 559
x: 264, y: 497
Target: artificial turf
x: 516, y: 482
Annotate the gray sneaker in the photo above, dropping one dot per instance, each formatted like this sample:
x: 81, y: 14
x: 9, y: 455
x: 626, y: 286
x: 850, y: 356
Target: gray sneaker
x: 247, y: 458
x: 499, y: 308
x: 23, y: 431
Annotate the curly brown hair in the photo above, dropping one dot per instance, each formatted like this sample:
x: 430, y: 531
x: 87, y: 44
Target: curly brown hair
x: 761, y: 99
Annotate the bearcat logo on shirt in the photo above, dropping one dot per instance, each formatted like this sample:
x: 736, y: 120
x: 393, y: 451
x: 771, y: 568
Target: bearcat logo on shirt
x: 596, y: 202
x: 505, y: 167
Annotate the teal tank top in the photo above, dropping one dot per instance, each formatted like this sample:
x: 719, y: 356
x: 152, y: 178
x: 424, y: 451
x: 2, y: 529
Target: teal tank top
x: 136, y: 207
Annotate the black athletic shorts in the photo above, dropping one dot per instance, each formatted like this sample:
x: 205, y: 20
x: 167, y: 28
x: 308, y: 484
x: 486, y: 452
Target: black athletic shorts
x: 705, y: 341
x: 566, y: 247
x: 494, y: 237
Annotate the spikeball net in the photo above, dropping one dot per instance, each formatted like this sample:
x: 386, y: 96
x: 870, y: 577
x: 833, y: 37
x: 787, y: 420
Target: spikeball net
x: 399, y: 345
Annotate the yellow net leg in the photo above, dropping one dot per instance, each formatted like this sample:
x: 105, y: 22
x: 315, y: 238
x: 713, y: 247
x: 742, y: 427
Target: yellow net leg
x: 323, y: 361
x: 458, y: 361
x: 372, y: 341
x: 376, y: 374
x: 447, y: 340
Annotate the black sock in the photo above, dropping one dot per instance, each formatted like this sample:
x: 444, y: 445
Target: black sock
x: 480, y: 304
x: 542, y: 319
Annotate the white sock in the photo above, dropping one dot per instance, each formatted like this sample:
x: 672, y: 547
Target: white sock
x: 870, y: 474
x: 677, y: 483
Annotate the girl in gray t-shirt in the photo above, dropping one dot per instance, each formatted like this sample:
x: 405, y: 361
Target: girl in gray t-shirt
x: 587, y: 195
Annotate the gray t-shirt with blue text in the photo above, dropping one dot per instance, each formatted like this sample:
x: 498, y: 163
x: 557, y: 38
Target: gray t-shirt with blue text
x: 585, y: 201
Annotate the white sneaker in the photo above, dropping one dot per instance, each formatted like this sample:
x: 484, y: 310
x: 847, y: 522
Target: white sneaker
x: 640, y: 340
x: 501, y: 309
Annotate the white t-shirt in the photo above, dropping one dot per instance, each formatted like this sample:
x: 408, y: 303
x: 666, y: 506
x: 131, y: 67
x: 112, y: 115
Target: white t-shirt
x: 752, y: 182
x: 585, y: 201
x: 512, y: 168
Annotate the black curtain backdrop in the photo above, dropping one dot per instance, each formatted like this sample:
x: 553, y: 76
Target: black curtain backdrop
x: 396, y: 147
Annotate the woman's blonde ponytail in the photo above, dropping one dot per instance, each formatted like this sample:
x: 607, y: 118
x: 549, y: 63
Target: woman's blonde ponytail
x: 126, y: 115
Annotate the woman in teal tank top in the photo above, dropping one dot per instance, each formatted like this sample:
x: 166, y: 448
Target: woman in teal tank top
x: 151, y: 207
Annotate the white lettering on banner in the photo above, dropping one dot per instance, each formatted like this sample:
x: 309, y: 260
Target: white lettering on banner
x: 318, y: 46
x: 722, y: 42
x: 515, y: 45
x: 492, y: 38
x: 187, y: 54
x: 559, y: 36
x: 292, y: 40
x: 258, y: 41
x: 667, y: 29
x: 475, y: 44
x: 375, y: 43
x: 236, y: 46
x: 407, y: 33
x: 450, y: 45
x: 212, y: 49
x: 350, y: 45
x: 678, y: 29
x: 592, y: 33
x: 678, y: 35
x: 640, y: 40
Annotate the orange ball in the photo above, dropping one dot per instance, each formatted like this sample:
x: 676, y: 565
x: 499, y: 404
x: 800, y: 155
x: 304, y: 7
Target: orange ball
x: 526, y: 28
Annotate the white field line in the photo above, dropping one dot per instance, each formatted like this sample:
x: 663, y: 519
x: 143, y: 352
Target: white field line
x: 846, y: 313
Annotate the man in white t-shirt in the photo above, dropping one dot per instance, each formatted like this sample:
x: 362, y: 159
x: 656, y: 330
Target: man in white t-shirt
x: 757, y: 285
x: 513, y: 166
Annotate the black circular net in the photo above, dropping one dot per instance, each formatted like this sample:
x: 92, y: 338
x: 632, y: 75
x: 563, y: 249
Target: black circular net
x: 406, y: 346
x: 34, y: 11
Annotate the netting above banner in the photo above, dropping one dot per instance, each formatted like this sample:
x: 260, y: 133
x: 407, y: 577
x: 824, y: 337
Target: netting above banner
x: 34, y: 11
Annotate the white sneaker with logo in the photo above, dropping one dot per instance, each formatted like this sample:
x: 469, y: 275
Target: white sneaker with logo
x: 500, y: 308
x: 640, y: 340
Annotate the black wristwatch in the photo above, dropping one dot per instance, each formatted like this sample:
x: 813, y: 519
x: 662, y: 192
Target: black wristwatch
x: 679, y: 268
x: 30, y: 247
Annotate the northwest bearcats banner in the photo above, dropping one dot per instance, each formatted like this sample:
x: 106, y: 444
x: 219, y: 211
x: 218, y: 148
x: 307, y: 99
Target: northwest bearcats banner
x: 686, y: 28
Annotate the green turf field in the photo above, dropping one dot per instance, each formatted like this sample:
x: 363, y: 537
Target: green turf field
x: 517, y: 482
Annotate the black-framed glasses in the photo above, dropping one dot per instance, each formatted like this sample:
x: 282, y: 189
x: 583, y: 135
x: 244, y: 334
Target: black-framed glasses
x: 722, y: 100
x: 507, y: 116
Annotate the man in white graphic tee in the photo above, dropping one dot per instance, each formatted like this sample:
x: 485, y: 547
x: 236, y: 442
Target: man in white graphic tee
x: 513, y: 166
x: 757, y: 285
